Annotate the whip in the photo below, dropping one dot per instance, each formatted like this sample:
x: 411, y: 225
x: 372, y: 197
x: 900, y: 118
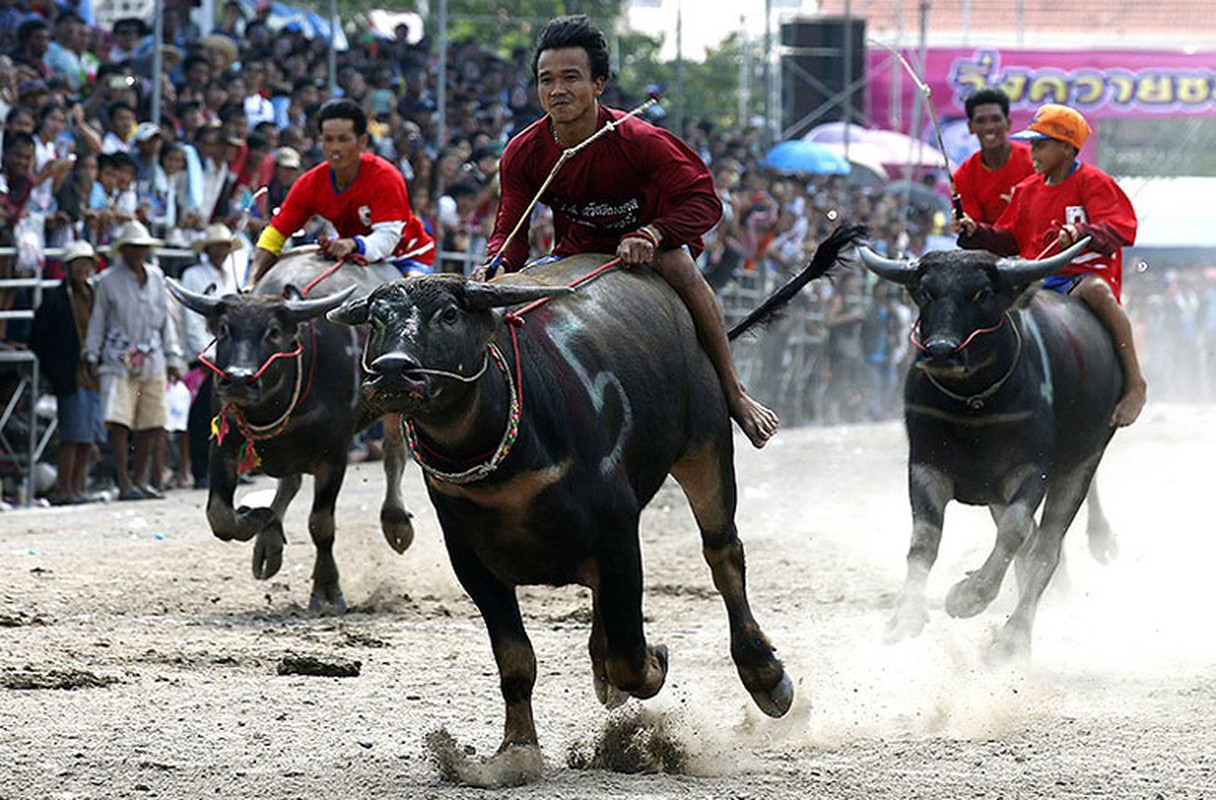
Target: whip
x: 937, y: 129
x: 566, y: 155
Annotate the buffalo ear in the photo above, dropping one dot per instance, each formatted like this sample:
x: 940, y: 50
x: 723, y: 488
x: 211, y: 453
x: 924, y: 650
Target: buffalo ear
x: 478, y: 296
x: 355, y: 311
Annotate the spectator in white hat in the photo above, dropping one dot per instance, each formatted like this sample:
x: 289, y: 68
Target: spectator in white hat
x: 57, y: 337
x: 133, y: 348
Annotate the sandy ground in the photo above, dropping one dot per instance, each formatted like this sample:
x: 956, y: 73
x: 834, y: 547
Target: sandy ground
x: 167, y: 650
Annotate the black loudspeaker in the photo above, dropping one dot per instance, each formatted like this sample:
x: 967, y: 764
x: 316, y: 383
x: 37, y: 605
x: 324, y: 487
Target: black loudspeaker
x: 814, y: 77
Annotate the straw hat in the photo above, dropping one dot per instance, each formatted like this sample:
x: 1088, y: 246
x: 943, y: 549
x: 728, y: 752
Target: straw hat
x: 215, y: 233
x: 224, y: 46
x: 136, y: 235
x: 78, y: 249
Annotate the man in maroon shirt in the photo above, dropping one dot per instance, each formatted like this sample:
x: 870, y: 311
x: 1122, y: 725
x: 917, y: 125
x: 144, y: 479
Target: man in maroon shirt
x: 638, y: 192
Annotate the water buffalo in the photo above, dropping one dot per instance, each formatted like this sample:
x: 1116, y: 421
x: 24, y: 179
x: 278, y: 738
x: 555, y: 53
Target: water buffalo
x: 543, y: 437
x: 1006, y: 405
x: 287, y: 383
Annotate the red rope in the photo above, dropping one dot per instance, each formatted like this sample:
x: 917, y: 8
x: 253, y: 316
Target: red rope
x: 515, y: 319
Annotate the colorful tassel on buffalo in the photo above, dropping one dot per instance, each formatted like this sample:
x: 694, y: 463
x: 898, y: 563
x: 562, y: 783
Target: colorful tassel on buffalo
x: 219, y: 428
x: 249, y: 458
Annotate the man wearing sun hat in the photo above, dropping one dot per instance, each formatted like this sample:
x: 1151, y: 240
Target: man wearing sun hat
x: 1063, y: 202
x: 57, y: 338
x: 133, y: 347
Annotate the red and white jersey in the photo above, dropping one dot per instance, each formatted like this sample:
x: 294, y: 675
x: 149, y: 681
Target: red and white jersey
x: 377, y: 195
x: 1087, y: 197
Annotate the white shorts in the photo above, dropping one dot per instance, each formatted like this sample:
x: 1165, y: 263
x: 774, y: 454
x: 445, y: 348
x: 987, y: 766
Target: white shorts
x: 136, y: 405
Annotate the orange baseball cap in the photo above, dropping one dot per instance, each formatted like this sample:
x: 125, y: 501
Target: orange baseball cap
x: 1054, y: 121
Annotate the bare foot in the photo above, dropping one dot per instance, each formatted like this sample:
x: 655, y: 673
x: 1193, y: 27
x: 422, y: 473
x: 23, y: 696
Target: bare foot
x: 1130, y: 405
x: 758, y: 422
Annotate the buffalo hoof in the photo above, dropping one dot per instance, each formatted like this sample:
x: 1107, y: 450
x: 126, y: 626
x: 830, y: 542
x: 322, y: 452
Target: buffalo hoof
x: 398, y: 528
x: 512, y: 765
x: 1010, y: 646
x: 268, y: 550
x: 1103, y: 545
x: 777, y: 700
x: 907, y: 622
x: 251, y: 521
x: 656, y: 673
x: 327, y: 601
x: 609, y: 696
x: 969, y: 597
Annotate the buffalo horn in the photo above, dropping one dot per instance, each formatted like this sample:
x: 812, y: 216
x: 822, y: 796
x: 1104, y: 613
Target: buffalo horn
x: 352, y: 312
x: 480, y: 296
x: 899, y: 270
x: 205, y: 304
x: 301, y: 310
x: 1025, y: 270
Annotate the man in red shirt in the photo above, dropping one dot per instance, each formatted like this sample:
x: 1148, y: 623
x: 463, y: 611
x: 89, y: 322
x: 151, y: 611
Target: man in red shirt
x: 638, y: 192
x: 986, y: 179
x: 1064, y: 202
x: 360, y: 194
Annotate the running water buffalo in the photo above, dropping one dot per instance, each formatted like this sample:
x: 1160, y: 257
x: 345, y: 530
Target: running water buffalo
x: 1006, y: 405
x: 543, y: 433
x: 287, y: 382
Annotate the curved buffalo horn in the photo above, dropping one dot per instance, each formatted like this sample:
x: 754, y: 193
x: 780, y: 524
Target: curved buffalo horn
x: 301, y: 310
x: 206, y: 304
x: 352, y: 312
x: 480, y: 296
x: 899, y: 270
x: 1025, y: 270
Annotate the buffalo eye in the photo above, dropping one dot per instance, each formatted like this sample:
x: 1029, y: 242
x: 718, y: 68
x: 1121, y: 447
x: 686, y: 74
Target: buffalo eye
x: 449, y: 315
x: 983, y: 294
x: 223, y: 331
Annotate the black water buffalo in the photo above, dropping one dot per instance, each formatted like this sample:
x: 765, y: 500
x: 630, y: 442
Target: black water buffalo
x: 543, y: 437
x: 1006, y: 405
x: 287, y: 383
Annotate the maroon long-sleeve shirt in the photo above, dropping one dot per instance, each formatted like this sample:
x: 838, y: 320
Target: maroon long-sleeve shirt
x: 632, y: 176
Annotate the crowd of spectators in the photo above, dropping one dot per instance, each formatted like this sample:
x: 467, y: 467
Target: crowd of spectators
x: 82, y: 156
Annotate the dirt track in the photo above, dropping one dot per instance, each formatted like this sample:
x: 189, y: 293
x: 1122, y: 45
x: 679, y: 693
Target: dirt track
x: 139, y: 598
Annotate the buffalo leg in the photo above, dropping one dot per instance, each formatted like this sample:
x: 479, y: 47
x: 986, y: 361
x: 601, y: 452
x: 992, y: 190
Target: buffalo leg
x: 268, y: 547
x: 394, y: 518
x: 326, y: 591
x: 513, y: 651
x: 708, y: 480
x: 227, y: 522
x: 974, y: 593
x: 1038, y: 562
x: 628, y: 664
x: 597, y: 646
x: 1102, y: 543
x: 929, y: 491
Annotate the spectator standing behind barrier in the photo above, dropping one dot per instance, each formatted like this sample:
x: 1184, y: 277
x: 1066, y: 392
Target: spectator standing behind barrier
x: 57, y: 338
x: 212, y: 273
x: 844, y: 318
x: 133, y: 348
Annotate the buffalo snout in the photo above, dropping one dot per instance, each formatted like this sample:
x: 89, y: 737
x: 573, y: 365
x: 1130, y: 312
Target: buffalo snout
x: 940, y: 349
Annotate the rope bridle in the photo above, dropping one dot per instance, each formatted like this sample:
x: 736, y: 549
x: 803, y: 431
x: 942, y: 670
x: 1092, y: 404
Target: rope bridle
x: 486, y: 466
x: 976, y: 401
x: 251, y: 432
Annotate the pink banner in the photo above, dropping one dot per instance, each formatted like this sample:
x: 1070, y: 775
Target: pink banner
x: 1101, y: 84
